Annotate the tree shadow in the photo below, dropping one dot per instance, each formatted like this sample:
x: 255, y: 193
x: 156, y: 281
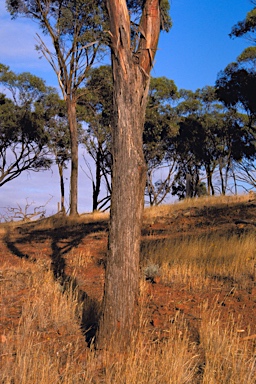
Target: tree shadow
x: 62, y: 239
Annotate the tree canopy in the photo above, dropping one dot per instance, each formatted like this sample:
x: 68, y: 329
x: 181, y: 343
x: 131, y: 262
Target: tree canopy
x: 76, y: 32
x: 23, y: 139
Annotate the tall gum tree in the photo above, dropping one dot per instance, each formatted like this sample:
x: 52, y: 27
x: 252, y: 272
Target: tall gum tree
x: 75, y: 28
x: 132, y: 59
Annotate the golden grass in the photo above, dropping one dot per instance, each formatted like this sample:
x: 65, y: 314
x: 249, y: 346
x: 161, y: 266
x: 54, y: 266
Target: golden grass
x: 209, y: 201
x: 228, y: 358
x: 195, y: 261
x: 46, y: 345
x: 56, y: 221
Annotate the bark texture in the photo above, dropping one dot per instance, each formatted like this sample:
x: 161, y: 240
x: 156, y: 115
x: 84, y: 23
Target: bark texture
x: 131, y: 81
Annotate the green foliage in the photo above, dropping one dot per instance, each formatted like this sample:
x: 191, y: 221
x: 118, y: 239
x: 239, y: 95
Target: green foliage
x: 248, y: 55
x: 236, y: 85
x: 67, y: 15
x: 160, y: 124
x: 96, y: 108
x: 212, y: 137
x: 57, y: 127
x: 166, y: 22
x: 159, y: 129
x: 245, y: 26
x: 23, y: 138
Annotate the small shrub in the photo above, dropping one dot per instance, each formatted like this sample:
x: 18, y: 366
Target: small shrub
x: 151, y: 272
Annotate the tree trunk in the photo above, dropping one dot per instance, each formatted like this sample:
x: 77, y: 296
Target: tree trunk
x: 71, y: 107
x: 210, y: 188
x: 62, y: 188
x: 221, y: 177
x: 128, y: 185
x: 189, y: 186
x: 96, y: 185
x: 131, y: 82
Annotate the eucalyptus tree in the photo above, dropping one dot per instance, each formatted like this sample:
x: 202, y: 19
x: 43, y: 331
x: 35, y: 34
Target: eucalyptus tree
x: 212, y: 137
x: 96, y: 107
x: 200, y: 116
x: 237, y: 83
x: 189, y: 148
x: 159, y: 130
x: 160, y: 126
x: 247, y: 28
x: 23, y: 139
x: 75, y: 28
x: 56, y: 124
x: 133, y: 46
x: 236, y: 87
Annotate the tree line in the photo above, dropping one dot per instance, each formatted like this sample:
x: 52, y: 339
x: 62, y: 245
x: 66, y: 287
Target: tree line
x: 194, y: 143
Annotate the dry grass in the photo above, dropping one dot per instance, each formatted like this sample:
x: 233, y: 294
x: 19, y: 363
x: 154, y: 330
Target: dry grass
x: 208, y: 201
x: 36, y: 351
x: 56, y: 221
x: 195, y: 262
x: 227, y: 357
x: 46, y: 344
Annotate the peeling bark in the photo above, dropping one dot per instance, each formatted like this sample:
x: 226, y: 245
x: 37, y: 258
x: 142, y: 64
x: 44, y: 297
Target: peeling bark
x: 131, y: 82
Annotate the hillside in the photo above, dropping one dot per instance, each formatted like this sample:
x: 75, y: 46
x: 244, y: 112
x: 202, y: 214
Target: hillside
x: 198, y: 263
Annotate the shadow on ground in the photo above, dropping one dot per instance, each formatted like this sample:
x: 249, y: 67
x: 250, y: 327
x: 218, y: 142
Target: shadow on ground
x: 62, y: 240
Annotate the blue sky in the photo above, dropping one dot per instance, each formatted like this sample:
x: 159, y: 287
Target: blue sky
x: 192, y: 53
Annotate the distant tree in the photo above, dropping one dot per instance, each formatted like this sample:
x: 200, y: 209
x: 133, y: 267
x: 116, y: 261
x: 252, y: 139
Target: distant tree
x: 236, y: 84
x: 236, y: 88
x: 247, y: 28
x: 96, y: 107
x: 76, y: 32
x: 199, y: 117
x: 159, y: 129
x: 23, y: 139
x: 189, y: 151
x: 133, y: 48
x: 212, y: 138
x: 56, y: 124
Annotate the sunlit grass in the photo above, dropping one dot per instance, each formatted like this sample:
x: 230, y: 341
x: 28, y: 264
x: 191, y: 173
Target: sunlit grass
x: 195, y: 261
x: 47, y: 346
x: 201, y: 202
x: 43, y: 341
